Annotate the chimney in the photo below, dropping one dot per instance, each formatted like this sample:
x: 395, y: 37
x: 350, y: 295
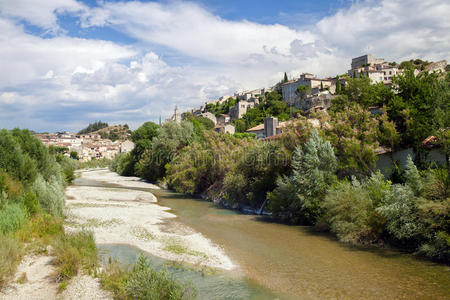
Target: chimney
x: 270, y: 126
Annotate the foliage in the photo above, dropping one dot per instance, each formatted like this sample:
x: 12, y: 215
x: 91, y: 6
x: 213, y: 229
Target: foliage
x: 353, y: 133
x: 272, y: 106
x: 172, y: 137
x: 50, y: 194
x: 421, y: 106
x: 93, y: 127
x: 11, y: 218
x: 255, y: 169
x: 201, y: 166
x: 313, y: 172
x: 121, y: 164
x: 350, y: 209
x: 74, y: 155
x: 93, y: 163
x: 10, y: 254
x: 74, y: 251
x: 304, y: 90
x: 362, y: 92
x: 219, y: 109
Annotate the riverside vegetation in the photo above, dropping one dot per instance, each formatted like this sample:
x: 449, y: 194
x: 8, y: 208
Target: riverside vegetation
x: 325, y: 176
x: 32, y: 182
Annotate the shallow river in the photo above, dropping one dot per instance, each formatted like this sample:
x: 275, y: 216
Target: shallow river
x: 293, y: 262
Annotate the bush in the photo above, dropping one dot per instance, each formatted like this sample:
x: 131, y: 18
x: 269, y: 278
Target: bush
x: 122, y: 164
x: 50, y: 194
x: 350, y: 209
x: 31, y: 203
x: 11, y: 218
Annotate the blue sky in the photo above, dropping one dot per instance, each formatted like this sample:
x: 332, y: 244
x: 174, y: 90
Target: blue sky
x: 67, y: 63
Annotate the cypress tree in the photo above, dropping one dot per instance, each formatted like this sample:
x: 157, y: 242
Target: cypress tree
x: 338, y: 85
x: 285, y: 78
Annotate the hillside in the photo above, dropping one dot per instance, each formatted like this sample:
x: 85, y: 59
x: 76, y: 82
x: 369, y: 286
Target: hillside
x: 114, y: 132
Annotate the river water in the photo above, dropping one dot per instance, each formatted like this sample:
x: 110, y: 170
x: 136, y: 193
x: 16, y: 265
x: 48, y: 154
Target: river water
x: 294, y: 262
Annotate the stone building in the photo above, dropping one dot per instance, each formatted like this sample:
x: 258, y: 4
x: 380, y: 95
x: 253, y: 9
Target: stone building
x: 240, y: 109
x: 289, y: 89
x: 364, y: 60
x: 227, y: 128
x: 210, y: 116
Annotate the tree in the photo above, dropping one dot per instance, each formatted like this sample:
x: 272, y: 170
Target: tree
x: 338, y: 86
x: 353, y: 133
x: 421, y: 106
x: 74, y: 155
x: 285, y: 79
x: 321, y: 86
x: 303, y: 91
x: 93, y: 127
x: 299, y: 197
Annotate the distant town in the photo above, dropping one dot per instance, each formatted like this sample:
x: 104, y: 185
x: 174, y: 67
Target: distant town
x: 87, y: 146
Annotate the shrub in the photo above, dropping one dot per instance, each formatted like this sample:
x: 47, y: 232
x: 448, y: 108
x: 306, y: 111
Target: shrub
x: 400, y: 212
x: 31, y: 203
x: 41, y: 227
x: 348, y: 211
x: 50, y: 194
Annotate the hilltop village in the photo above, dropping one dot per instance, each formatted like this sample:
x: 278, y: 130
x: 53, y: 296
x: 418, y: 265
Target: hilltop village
x: 92, y: 145
x: 307, y: 93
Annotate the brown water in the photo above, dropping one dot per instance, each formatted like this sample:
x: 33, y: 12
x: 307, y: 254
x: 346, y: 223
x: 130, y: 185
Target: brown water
x: 295, y: 262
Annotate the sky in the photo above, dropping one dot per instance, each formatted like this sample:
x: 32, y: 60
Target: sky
x: 67, y: 63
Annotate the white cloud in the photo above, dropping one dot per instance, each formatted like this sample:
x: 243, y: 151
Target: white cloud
x: 193, y: 31
x: 63, y: 82
x: 394, y: 29
x: 42, y: 13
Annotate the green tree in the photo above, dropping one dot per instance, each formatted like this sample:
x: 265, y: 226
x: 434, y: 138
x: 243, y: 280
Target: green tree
x: 338, y: 86
x: 353, y: 133
x: 299, y: 197
x: 74, y: 155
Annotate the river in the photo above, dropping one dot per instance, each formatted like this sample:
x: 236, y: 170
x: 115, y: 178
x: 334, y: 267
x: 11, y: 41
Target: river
x: 294, y: 262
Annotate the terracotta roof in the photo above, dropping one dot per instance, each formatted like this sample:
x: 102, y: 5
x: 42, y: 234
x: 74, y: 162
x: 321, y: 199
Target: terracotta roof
x: 272, y: 138
x: 430, y: 142
x: 257, y: 128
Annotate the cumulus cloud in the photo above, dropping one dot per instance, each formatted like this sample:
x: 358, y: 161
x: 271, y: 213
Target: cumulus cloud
x: 40, y: 13
x: 62, y: 82
x: 191, y: 30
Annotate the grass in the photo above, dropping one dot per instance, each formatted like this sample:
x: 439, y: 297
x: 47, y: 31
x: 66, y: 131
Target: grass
x: 10, y: 253
x: 12, y: 217
x: 81, y: 205
x: 94, y: 222
x: 74, y: 251
x: 142, y: 234
x: 180, y: 249
x: 142, y: 281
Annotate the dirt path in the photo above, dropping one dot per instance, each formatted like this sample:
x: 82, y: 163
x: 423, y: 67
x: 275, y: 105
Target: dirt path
x: 35, y: 279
